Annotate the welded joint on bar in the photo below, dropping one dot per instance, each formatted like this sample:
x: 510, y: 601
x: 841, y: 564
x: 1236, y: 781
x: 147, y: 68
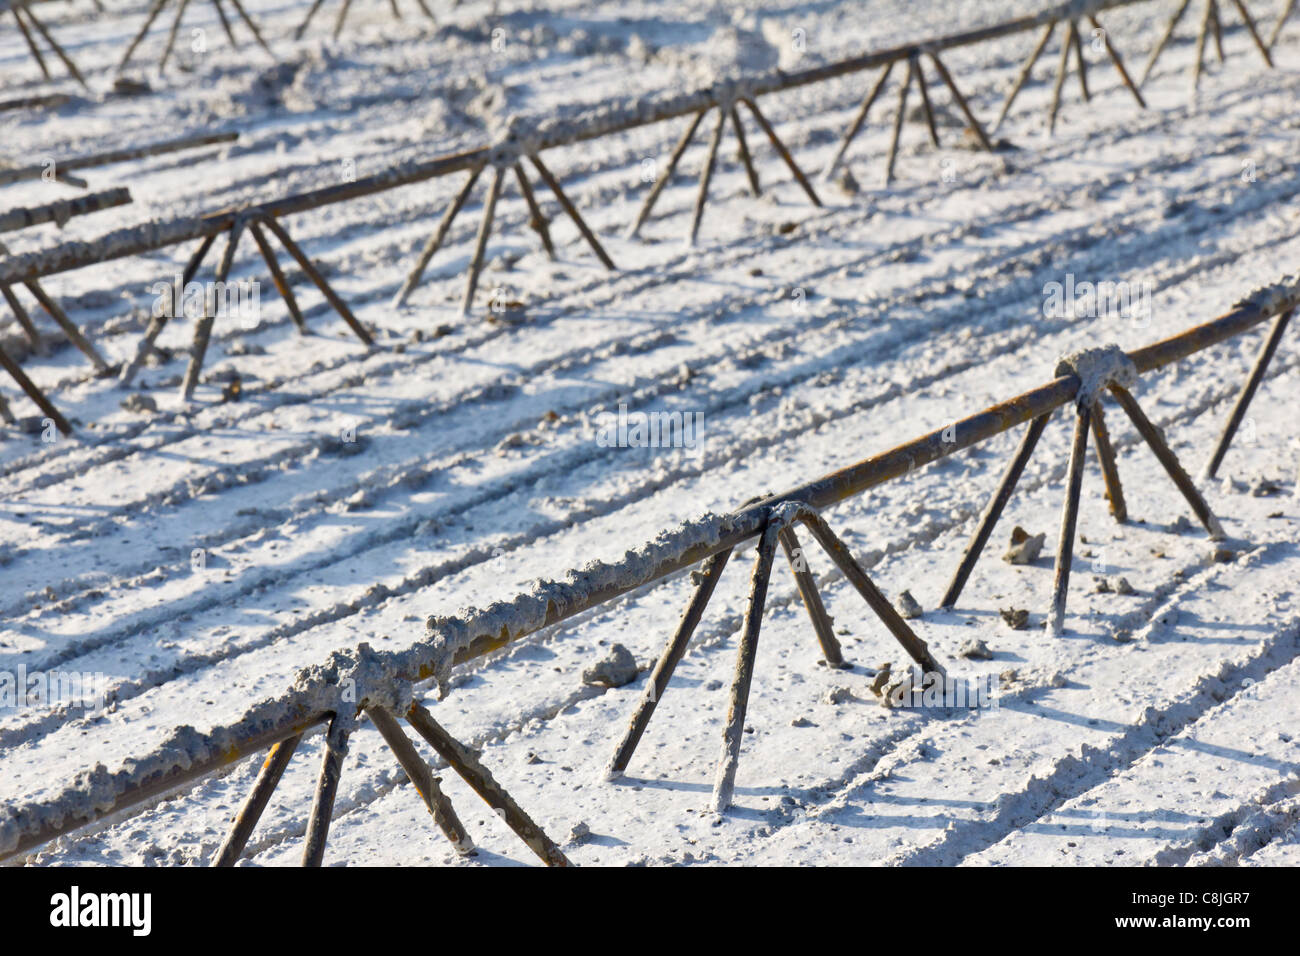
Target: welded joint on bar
x: 386, y: 696
x: 1071, y: 42
x: 1097, y: 371
x: 778, y: 528
x: 915, y: 75
x: 725, y: 100
x: 516, y: 143
x: 251, y: 220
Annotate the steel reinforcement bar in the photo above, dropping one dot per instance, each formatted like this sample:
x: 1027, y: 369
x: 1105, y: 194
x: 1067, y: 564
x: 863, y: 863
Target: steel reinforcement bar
x: 64, y: 209
x: 386, y: 680
x: 580, y: 126
x: 518, y: 140
x: 109, y: 157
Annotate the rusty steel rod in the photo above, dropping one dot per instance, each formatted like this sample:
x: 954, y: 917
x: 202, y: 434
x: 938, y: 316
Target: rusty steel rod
x: 879, y: 604
x: 661, y: 181
x: 113, y: 156
x: 267, y: 780
x: 1062, y: 71
x: 1151, y: 435
x: 900, y: 114
x: 1082, y: 61
x: 54, y: 45
x: 858, y: 120
x: 1201, y: 36
x: 976, y: 127
x: 422, y: 778
x: 327, y: 786
x: 536, y: 219
x: 148, y: 237
x: 225, y: 22
x: 277, y: 277
x: 1281, y: 21
x: 427, y: 12
x: 181, y: 5
x: 1163, y: 41
x: 62, y: 210
x: 158, y: 321
x: 314, y: 274
x: 31, y: 44
x: 672, y: 654
x: 742, y: 147
x: 811, y: 597
x: 33, y: 392
x: 461, y: 759
x: 706, y: 174
x: 1257, y: 373
x: 69, y: 328
x: 24, y: 320
x: 178, y: 779
x: 203, y: 327
x: 311, y: 12
x: 1069, y: 521
x: 436, y: 240
x: 480, y: 243
x: 994, y: 509
x: 252, y: 27
x: 782, y: 151
x: 1116, y: 59
x: 924, y: 89
x: 1254, y: 33
x: 152, y: 15
x: 37, y: 101
x: 341, y: 19
x: 1216, y: 24
x: 1109, y: 469
x: 1023, y: 76
x: 733, y: 729
x: 553, y: 185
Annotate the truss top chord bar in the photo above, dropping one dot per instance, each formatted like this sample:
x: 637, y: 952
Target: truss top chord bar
x: 151, y: 236
x: 47, y: 100
x: 63, y: 210
x: 109, y: 157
